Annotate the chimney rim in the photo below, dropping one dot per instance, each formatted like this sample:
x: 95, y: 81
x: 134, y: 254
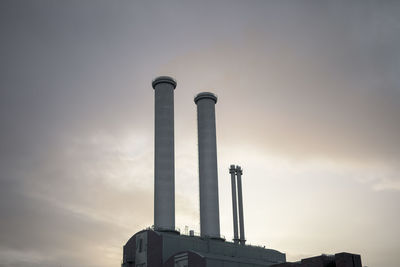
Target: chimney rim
x: 164, y: 79
x: 205, y: 95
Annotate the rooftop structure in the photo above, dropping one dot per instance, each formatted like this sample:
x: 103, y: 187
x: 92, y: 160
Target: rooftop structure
x: 155, y: 248
x: 338, y: 260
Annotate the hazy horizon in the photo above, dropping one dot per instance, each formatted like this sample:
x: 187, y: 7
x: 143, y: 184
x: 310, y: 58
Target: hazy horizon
x: 308, y: 105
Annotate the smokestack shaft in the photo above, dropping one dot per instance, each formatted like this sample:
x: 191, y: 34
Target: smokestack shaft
x: 240, y: 197
x: 208, y: 173
x: 164, y: 165
x: 232, y: 171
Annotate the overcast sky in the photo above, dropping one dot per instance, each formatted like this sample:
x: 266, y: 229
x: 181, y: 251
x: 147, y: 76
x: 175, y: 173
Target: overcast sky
x: 309, y: 106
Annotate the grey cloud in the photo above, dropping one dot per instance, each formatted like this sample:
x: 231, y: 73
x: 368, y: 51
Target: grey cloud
x: 310, y: 85
x: 68, y: 210
x: 312, y: 79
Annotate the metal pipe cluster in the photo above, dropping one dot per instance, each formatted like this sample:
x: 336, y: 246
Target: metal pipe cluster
x: 237, y: 172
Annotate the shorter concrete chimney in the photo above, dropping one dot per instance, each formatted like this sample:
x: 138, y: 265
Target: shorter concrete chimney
x: 208, y: 171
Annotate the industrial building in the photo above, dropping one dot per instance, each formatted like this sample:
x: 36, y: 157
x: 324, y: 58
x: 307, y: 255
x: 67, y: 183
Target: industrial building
x: 337, y: 260
x: 163, y: 245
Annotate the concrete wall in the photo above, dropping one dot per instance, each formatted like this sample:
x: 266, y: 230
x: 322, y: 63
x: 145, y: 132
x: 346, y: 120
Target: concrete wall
x: 151, y: 250
x: 194, y: 259
x: 175, y: 243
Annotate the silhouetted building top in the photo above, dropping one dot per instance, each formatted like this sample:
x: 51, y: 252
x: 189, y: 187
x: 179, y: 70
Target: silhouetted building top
x: 338, y: 260
x: 153, y: 248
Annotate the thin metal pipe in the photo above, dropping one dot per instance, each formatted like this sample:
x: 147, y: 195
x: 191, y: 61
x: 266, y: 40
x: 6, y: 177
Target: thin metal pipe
x: 239, y: 173
x: 232, y: 171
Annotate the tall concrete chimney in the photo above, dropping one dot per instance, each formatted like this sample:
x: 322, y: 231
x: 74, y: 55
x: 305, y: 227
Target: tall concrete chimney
x: 164, y: 165
x: 208, y: 173
x: 232, y: 171
x: 239, y: 173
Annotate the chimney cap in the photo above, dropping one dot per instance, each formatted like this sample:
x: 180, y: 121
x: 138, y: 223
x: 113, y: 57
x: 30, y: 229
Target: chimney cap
x: 232, y: 169
x: 239, y: 169
x: 204, y: 95
x: 163, y: 79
